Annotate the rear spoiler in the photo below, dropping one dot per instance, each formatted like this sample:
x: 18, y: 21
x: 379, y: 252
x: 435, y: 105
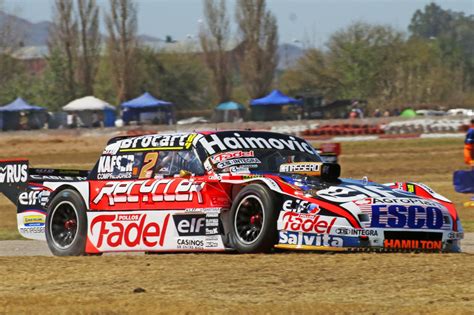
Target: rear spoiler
x: 56, y: 175
x: 15, y: 175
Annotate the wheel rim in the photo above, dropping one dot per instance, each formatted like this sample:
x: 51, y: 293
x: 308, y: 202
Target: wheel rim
x: 249, y: 219
x: 64, y: 225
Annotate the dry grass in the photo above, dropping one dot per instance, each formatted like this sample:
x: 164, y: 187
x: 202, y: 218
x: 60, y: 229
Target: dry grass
x: 280, y: 283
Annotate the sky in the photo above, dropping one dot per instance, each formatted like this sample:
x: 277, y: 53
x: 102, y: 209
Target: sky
x: 299, y: 21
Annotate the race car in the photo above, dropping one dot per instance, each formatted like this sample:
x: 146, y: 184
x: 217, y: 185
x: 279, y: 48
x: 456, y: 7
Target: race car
x: 246, y: 191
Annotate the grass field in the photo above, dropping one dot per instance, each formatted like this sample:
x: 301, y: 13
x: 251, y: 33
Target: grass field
x: 283, y: 283
x: 431, y: 161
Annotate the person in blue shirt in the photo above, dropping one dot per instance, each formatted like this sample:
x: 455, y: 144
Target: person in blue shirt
x: 469, y: 145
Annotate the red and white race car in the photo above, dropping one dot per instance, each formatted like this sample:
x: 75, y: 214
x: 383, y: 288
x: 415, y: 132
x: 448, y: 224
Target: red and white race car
x: 214, y: 191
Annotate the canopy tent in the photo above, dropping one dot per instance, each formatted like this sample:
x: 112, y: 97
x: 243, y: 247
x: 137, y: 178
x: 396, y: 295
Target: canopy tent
x: 145, y: 101
x: 275, y: 98
x: 21, y: 115
x: 230, y: 106
x: 228, y: 112
x: 270, y: 106
x: 88, y: 103
x: 19, y: 105
x: 91, y: 111
x: 147, y: 108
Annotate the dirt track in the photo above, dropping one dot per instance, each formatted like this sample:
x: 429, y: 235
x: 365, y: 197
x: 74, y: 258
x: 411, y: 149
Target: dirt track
x: 292, y: 283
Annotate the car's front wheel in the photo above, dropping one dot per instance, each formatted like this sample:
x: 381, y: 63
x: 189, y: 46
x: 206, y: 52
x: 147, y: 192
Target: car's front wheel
x: 66, y: 224
x: 254, y: 216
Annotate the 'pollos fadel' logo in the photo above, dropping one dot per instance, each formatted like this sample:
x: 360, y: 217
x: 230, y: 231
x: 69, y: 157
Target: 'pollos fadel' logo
x: 128, y: 231
x: 13, y: 173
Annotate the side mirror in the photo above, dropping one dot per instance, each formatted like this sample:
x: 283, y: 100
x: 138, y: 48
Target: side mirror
x: 330, y: 172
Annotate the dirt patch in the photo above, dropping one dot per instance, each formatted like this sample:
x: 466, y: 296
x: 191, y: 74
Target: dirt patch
x: 216, y: 283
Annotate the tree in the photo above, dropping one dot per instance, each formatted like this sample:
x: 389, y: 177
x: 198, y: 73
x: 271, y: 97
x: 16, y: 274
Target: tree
x: 88, y: 12
x: 453, y: 32
x: 11, y: 36
x: 214, y: 38
x: 181, y: 78
x: 122, y: 45
x: 259, y: 41
x: 64, y: 42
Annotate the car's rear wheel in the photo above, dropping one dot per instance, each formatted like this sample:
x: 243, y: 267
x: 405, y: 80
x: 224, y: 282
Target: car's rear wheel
x: 66, y: 224
x: 254, y: 216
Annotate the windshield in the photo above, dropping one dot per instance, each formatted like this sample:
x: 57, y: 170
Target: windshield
x: 257, y: 160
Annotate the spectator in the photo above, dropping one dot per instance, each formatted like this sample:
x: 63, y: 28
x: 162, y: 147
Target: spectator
x: 95, y: 120
x: 377, y: 113
x: 469, y: 145
x: 386, y: 113
x: 353, y: 114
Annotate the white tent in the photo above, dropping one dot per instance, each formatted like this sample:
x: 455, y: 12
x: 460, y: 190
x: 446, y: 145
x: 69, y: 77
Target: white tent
x: 88, y: 103
x: 90, y: 110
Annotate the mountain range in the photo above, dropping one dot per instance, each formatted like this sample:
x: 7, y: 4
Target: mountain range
x: 33, y: 37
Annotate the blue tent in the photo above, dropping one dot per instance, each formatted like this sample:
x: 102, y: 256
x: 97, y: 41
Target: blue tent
x: 230, y: 106
x: 19, y: 105
x: 11, y: 115
x: 275, y: 98
x: 147, y: 108
x: 145, y: 101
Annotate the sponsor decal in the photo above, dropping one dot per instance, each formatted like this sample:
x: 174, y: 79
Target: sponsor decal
x: 212, y: 222
x: 300, y: 206
x: 33, y: 220
x: 407, y: 201
x: 211, y: 244
x: 292, y: 238
x: 12, y: 173
x: 455, y: 235
x: 229, y: 141
x: 128, y: 231
x: 207, y: 211
x: 355, y: 232
x: 57, y: 178
x: 148, y: 191
x: 31, y: 230
x: 220, y: 157
x: 400, y: 216
x: 190, y: 224
x: 212, y: 231
x: 220, y: 201
x: 308, y: 168
x: 190, y: 243
x: 115, y: 167
x: 34, y: 198
x: 151, y: 143
x: 307, y: 223
x: 242, y: 169
x: 412, y: 244
x: 233, y: 162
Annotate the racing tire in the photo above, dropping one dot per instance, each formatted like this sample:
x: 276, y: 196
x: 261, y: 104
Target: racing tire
x: 254, y: 216
x: 66, y: 224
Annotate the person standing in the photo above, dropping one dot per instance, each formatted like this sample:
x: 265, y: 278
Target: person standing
x: 469, y: 145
